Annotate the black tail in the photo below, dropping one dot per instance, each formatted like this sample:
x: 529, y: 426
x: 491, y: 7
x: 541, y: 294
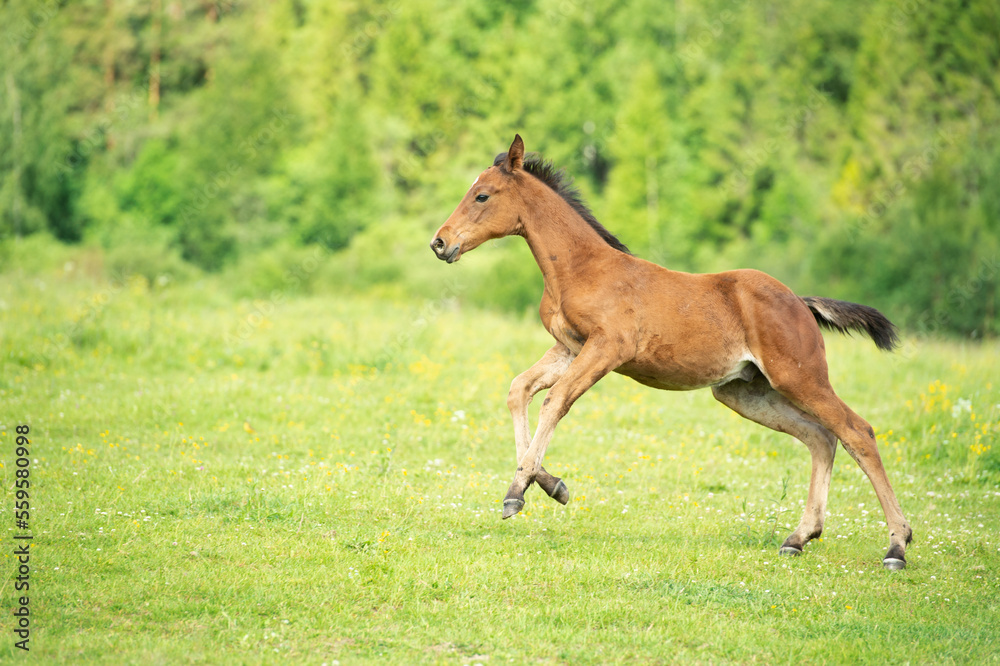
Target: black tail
x: 846, y: 317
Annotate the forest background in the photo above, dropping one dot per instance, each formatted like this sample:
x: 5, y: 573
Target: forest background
x: 850, y: 148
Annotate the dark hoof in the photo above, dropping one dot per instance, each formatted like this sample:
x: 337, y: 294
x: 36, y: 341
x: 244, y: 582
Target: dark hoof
x: 894, y: 563
x: 560, y: 493
x: 790, y: 550
x: 511, y: 507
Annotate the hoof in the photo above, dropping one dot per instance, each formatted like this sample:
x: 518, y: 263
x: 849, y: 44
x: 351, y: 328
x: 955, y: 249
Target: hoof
x: 790, y: 550
x: 894, y: 563
x: 561, y: 493
x: 511, y: 507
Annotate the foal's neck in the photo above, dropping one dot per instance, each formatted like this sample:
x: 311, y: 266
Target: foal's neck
x: 566, y: 248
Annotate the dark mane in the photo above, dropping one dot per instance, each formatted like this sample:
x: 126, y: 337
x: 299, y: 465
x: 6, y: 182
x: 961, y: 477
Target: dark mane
x: 562, y: 184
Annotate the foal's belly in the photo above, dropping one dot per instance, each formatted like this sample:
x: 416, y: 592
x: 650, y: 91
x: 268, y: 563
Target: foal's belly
x: 686, y: 375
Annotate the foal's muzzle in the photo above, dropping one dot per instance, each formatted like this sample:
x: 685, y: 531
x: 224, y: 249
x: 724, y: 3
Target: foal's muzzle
x: 444, y: 252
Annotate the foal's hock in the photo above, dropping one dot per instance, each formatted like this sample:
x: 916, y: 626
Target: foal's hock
x: 741, y: 333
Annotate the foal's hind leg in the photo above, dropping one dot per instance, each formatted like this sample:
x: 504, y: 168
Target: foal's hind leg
x: 540, y: 376
x: 758, y: 401
x: 805, y: 383
x: 859, y: 440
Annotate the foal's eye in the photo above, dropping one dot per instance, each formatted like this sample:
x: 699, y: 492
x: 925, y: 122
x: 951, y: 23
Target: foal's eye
x: 482, y: 198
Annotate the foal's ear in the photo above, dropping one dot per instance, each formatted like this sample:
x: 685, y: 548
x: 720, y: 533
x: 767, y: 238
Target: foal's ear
x: 515, y: 156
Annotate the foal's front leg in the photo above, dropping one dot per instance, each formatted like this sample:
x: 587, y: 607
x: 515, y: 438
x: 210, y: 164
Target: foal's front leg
x: 540, y: 376
x: 595, y: 360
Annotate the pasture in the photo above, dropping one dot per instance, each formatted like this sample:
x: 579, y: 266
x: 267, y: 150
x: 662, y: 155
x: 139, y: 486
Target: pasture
x: 323, y: 485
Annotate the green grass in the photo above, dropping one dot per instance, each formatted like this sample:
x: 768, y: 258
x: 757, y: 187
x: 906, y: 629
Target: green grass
x: 328, y: 490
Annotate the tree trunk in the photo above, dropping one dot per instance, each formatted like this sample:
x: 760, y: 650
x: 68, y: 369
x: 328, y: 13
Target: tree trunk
x: 109, y: 70
x: 154, y: 61
x: 15, y: 105
x: 652, y: 206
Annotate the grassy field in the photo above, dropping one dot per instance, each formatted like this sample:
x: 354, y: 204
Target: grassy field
x: 317, y: 480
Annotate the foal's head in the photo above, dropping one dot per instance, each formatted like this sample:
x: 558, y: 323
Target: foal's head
x: 490, y: 209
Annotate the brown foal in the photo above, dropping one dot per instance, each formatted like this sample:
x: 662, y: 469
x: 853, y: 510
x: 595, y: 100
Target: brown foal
x: 742, y: 333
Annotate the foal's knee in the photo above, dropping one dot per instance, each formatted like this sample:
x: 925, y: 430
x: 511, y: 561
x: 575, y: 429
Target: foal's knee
x: 517, y: 397
x: 514, y: 401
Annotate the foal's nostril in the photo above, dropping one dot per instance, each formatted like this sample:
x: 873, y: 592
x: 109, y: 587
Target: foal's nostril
x: 437, y: 244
